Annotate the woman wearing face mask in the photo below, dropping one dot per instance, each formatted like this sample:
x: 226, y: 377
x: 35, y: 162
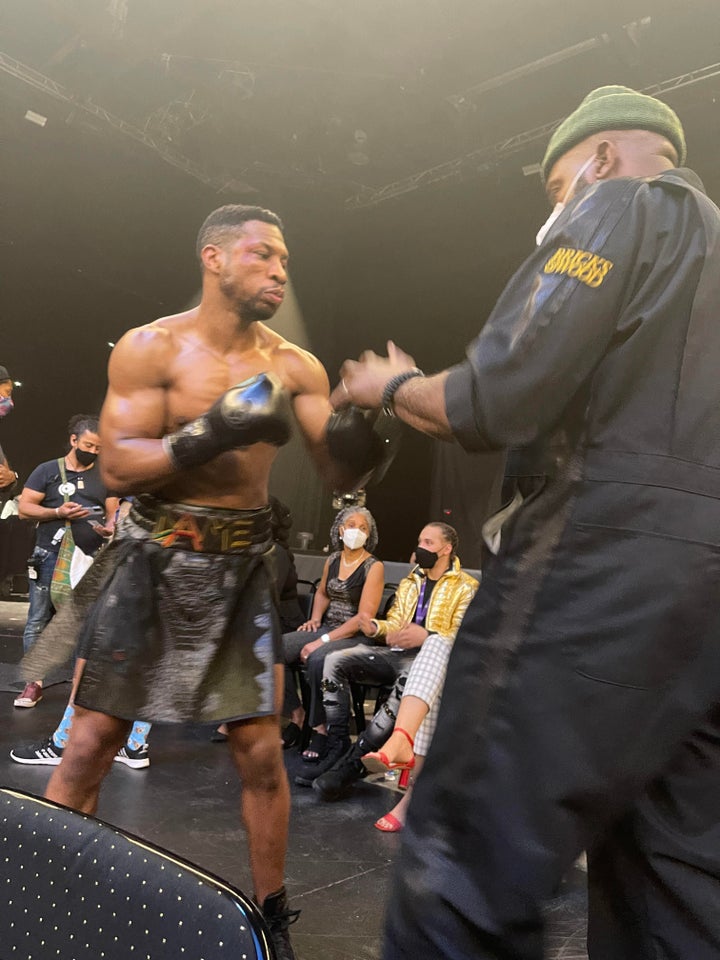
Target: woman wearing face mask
x: 351, y: 587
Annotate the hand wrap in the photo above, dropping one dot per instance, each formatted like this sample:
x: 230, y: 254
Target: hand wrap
x: 254, y: 411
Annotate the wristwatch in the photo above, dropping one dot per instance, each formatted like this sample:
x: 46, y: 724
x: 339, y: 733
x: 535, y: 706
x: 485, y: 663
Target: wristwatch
x: 325, y: 638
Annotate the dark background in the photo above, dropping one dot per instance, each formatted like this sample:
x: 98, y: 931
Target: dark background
x: 390, y: 135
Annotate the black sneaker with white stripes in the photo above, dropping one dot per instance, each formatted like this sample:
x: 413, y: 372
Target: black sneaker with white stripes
x: 44, y: 752
x: 135, y: 758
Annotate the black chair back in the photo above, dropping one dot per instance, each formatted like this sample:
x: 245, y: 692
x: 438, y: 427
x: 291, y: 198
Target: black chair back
x: 306, y: 594
x: 76, y: 888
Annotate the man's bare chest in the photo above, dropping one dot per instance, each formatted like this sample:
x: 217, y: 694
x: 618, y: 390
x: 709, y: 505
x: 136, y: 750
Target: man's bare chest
x: 195, y: 383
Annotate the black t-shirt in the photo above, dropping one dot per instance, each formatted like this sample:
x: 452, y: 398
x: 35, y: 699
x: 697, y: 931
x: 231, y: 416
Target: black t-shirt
x: 84, y: 487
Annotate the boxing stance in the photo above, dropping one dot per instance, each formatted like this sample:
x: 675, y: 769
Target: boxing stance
x: 178, y: 619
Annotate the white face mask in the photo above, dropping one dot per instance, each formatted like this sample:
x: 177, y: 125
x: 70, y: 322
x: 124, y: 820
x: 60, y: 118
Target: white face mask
x: 560, y: 205
x: 354, y: 538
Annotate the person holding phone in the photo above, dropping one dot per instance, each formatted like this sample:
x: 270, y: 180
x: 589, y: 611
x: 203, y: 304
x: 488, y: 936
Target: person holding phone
x: 51, y: 499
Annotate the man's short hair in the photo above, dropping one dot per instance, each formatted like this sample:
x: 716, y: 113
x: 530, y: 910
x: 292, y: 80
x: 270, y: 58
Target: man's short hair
x: 82, y: 423
x: 448, y: 533
x: 222, y: 223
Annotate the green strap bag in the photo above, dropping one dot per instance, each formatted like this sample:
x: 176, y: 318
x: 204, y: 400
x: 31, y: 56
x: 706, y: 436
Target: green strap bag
x: 60, y: 586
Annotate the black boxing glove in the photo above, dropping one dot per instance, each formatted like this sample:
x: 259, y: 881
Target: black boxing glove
x: 353, y: 442
x: 254, y: 411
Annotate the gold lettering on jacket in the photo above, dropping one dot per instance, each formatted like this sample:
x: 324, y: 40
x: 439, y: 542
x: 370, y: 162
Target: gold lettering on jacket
x: 581, y: 265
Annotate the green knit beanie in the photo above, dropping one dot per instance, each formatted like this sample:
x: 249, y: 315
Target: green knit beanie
x: 615, y: 108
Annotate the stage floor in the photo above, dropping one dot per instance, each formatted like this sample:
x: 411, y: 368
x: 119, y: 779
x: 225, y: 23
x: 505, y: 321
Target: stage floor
x: 339, y: 869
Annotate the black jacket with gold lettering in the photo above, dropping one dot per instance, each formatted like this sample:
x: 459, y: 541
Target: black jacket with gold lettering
x: 605, y: 345
x: 589, y: 653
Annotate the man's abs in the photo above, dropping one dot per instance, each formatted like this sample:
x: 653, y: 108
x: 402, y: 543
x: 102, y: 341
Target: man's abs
x: 236, y: 480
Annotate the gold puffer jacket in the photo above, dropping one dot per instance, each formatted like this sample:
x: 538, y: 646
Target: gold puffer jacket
x: 449, y: 601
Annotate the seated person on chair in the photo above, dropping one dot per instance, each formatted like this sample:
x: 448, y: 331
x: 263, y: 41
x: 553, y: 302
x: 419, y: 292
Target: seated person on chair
x: 406, y: 748
x: 348, y: 594
x: 430, y: 604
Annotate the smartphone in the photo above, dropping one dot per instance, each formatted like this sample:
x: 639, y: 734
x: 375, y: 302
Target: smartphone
x: 95, y: 511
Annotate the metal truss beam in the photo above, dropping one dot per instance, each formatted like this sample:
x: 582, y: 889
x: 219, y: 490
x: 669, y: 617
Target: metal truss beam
x: 485, y: 159
x: 48, y: 86
x: 683, y: 80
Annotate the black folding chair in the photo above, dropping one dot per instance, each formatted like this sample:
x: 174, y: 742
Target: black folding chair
x: 75, y: 888
x: 306, y: 594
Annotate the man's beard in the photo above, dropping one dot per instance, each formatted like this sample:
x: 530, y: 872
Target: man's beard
x: 249, y: 310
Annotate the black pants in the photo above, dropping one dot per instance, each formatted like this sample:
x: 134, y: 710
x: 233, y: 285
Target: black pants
x: 580, y: 712
x: 292, y: 644
x: 659, y: 863
x: 362, y: 664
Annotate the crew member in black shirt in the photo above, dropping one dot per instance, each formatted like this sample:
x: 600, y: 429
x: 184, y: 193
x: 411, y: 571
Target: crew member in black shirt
x: 57, y: 492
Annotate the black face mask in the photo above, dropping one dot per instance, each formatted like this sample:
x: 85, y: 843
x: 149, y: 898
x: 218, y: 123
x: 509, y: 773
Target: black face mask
x: 84, y: 457
x: 425, y: 558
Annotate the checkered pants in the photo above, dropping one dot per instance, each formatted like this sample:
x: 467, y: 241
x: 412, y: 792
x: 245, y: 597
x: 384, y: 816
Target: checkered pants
x: 422, y: 676
x: 425, y: 680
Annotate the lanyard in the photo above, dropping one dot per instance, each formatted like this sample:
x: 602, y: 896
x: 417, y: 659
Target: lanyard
x: 422, y: 603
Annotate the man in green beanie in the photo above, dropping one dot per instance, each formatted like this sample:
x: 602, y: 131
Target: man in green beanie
x: 581, y: 709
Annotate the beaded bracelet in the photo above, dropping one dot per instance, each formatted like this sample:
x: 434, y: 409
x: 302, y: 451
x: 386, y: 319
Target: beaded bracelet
x: 392, y: 385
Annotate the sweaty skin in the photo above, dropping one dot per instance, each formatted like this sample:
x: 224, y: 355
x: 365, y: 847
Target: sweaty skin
x: 171, y: 371
x: 161, y: 376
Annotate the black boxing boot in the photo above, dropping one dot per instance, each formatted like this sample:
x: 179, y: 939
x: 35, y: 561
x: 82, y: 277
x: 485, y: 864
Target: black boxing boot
x: 254, y: 411
x: 278, y: 918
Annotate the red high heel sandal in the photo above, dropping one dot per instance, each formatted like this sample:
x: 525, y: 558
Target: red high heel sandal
x: 389, y: 824
x: 404, y: 779
x: 377, y: 762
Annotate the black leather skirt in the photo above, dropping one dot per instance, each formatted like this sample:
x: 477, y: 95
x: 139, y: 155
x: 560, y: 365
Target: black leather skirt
x: 177, y: 618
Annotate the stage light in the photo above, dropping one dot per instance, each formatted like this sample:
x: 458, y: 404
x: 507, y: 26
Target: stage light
x: 36, y: 118
x: 110, y: 344
x: 17, y: 383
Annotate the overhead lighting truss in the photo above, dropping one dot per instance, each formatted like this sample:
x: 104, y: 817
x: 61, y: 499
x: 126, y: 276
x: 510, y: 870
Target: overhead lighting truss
x: 459, y: 100
x: 233, y: 72
x: 486, y: 159
x: 177, y: 117
x: 168, y: 153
